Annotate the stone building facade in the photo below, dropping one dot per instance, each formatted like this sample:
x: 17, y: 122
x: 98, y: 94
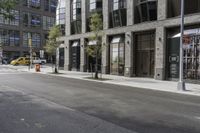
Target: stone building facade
x: 138, y: 36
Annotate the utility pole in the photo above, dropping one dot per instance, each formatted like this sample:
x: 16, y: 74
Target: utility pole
x: 181, y: 83
x: 30, y: 49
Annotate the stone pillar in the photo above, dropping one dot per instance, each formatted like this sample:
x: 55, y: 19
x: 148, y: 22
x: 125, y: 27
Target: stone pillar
x: 68, y: 20
x: 128, y: 70
x: 83, y: 15
x: 67, y: 55
x: 105, y: 14
x: 162, y: 9
x: 160, y: 53
x: 130, y: 12
x: 83, y: 60
x: 105, y: 55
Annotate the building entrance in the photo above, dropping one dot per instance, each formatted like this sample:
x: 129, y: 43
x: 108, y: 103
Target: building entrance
x: 117, y: 57
x: 145, y: 54
x: 75, y: 56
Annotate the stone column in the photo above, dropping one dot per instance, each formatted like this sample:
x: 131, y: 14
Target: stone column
x: 83, y: 15
x: 67, y: 66
x: 162, y: 9
x: 105, y: 14
x: 105, y: 43
x: 68, y: 20
x: 160, y: 53
x: 83, y: 60
x: 105, y: 55
x: 130, y: 12
x: 128, y: 70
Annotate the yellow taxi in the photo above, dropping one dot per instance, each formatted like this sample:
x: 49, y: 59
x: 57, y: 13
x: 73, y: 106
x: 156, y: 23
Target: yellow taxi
x: 20, y: 61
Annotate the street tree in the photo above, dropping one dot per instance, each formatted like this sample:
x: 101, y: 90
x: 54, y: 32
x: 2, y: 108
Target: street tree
x: 6, y: 6
x: 96, y: 25
x: 52, y: 45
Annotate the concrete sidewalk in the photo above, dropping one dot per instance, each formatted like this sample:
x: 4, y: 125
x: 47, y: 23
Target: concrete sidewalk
x: 146, y: 83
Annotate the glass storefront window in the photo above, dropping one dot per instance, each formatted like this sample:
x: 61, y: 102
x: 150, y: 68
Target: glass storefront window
x: 117, y: 49
x: 191, y: 57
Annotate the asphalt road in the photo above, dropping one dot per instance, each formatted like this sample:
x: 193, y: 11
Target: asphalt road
x: 36, y: 103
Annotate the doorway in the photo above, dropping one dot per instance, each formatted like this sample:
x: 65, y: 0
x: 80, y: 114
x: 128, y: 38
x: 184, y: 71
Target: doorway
x: 145, y: 54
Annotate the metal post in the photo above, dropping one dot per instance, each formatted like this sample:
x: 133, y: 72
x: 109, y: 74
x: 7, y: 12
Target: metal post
x: 181, y: 83
x: 30, y: 50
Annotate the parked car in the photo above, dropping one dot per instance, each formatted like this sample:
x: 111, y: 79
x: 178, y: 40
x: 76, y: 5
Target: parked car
x: 21, y: 61
x: 37, y: 60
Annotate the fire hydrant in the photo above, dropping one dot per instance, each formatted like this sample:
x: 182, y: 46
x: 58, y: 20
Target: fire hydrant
x: 37, y: 67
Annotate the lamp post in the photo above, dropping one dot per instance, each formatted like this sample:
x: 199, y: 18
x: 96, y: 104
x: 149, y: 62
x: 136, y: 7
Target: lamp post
x: 30, y: 49
x: 181, y: 83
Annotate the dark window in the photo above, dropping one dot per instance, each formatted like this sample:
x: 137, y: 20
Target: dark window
x: 50, y: 5
x: 9, y: 37
x: 146, y: 11
x: 118, y: 13
x: 174, y: 7
x: 32, y: 3
x: 30, y: 19
x: 35, y: 20
x: 36, y: 39
x: 76, y: 16
x: 14, y: 21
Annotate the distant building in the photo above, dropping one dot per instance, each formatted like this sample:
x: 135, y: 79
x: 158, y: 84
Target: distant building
x: 31, y: 17
x: 141, y: 37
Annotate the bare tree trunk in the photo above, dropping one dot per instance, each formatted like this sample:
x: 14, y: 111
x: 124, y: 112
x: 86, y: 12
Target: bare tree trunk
x: 56, y: 61
x: 96, y: 66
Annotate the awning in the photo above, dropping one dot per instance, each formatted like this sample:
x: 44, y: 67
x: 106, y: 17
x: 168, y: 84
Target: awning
x: 75, y: 44
x: 93, y: 42
x: 188, y: 32
x: 116, y: 40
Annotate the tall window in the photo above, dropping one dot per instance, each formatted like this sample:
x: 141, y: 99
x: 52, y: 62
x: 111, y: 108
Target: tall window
x: 118, y: 13
x: 76, y: 16
x: 146, y: 11
x: 60, y: 15
x: 93, y: 6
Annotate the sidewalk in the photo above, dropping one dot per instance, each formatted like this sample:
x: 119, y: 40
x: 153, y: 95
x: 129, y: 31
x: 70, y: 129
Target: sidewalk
x: 147, y: 83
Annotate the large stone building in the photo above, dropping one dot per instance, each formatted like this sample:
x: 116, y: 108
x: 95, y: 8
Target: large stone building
x: 32, y: 18
x: 141, y: 37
